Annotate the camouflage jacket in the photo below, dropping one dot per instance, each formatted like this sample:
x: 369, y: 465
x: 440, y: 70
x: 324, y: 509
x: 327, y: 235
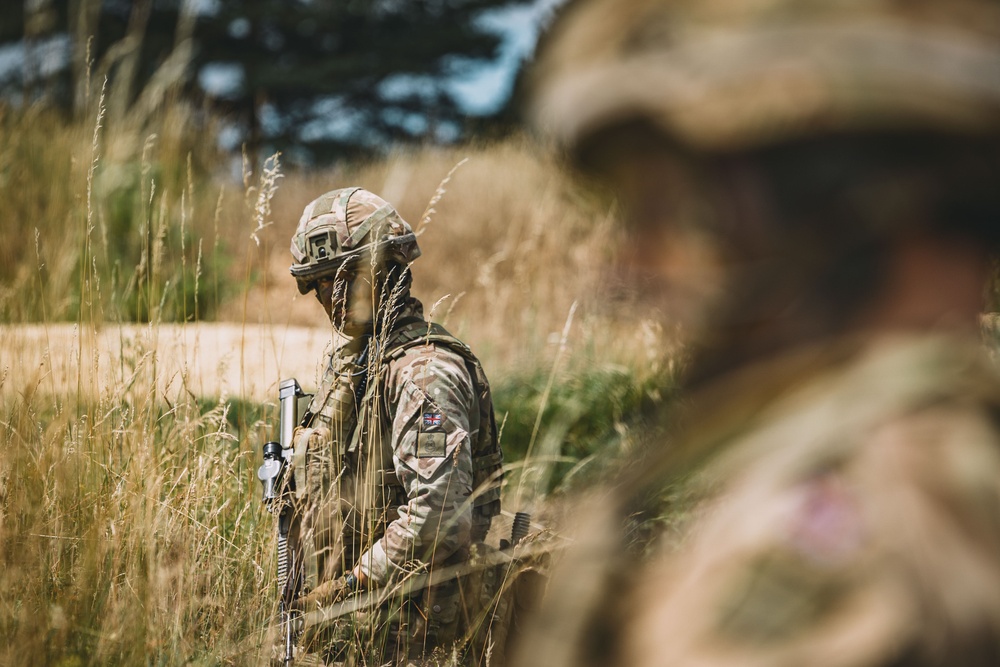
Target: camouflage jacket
x: 843, y: 510
x: 401, y: 463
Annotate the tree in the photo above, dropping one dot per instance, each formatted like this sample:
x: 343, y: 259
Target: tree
x: 315, y: 78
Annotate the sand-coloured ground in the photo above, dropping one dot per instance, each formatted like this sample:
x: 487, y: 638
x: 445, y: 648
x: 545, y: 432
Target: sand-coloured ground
x: 205, y: 359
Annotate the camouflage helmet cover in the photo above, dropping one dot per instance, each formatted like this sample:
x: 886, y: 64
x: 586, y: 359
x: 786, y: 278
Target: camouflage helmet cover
x: 722, y: 75
x: 346, y: 224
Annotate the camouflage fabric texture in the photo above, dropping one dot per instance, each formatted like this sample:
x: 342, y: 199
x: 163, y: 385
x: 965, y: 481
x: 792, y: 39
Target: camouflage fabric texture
x: 875, y: 535
x: 732, y: 74
x: 349, y: 223
x: 844, y: 514
x: 421, y: 455
x: 388, y: 461
x: 830, y: 499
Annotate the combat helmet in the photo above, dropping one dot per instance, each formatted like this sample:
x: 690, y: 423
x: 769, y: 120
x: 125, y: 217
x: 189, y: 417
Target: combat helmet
x: 346, y: 224
x: 729, y: 75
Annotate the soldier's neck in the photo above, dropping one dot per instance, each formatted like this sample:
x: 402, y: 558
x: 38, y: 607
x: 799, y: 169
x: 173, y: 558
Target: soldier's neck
x: 349, y: 346
x: 410, y: 309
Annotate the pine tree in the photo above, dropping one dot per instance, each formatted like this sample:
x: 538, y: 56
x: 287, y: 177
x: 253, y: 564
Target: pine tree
x: 319, y: 78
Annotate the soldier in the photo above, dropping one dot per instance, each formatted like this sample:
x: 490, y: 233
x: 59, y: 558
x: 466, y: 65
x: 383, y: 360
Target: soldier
x: 397, y: 455
x: 823, y: 177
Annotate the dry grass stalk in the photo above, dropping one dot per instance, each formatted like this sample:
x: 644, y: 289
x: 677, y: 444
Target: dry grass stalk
x: 425, y: 218
x: 130, y: 504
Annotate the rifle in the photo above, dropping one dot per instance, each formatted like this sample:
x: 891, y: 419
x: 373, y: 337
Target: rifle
x: 278, y: 496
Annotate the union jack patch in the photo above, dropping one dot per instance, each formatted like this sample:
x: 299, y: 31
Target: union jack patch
x: 432, y: 419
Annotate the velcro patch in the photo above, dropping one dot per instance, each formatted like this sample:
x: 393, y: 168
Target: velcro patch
x: 432, y: 419
x: 431, y: 445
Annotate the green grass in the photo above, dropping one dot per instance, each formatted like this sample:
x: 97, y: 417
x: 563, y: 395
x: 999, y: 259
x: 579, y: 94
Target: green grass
x: 132, y: 532
x: 591, y: 418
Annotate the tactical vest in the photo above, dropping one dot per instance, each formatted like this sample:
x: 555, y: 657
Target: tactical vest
x: 352, y: 388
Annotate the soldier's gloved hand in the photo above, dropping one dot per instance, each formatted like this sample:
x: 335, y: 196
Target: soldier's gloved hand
x: 327, y: 593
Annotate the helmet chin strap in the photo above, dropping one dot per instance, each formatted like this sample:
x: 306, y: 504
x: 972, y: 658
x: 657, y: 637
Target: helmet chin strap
x: 391, y: 294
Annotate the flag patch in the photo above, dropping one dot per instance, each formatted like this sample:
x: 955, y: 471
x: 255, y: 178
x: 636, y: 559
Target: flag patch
x: 432, y: 419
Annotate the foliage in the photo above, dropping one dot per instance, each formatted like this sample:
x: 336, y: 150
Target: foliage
x: 128, y: 248
x: 131, y: 530
x: 590, y: 420
x: 130, y: 515
x: 313, y: 65
x: 130, y: 518
x: 372, y: 69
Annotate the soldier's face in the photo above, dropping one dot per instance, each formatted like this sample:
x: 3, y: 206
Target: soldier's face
x: 672, y: 257
x: 350, y: 298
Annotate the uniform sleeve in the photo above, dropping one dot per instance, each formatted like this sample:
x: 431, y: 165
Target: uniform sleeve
x: 432, y: 457
x: 886, y: 550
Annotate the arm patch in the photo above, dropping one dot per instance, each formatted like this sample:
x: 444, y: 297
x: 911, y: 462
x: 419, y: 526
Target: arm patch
x: 431, y: 445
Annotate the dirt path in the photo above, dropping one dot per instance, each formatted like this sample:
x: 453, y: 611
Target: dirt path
x: 205, y: 359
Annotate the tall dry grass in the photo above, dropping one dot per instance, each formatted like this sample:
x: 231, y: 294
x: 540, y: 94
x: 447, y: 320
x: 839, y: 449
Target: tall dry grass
x: 100, y: 220
x: 130, y: 515
x: 131, y: 532
x: 510, y: 243
x: 509, y: 246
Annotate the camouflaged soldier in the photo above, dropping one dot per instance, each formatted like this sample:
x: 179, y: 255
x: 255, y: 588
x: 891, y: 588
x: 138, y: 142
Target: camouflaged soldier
x: 397, y: 455
x: 815, y: 186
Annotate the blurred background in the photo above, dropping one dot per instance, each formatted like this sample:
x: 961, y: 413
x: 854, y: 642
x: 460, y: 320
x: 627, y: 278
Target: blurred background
x: 316, y: 80
x: 155, y: 156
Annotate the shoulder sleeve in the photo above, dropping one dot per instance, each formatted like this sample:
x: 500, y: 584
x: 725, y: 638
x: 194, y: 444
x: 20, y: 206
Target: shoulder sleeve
x: 431, y: 406
x: 882, y: 546
x: 435, y: 409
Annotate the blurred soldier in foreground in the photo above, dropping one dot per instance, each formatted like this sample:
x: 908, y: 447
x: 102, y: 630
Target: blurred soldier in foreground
x: 824, y: 178
x: 397, y: 458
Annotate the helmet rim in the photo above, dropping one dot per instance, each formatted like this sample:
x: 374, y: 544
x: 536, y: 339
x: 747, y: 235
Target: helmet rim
x: 733, y: 90
x: 345, y: 225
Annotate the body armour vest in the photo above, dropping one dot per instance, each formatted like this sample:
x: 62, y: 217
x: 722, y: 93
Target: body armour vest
x: 352, y: 488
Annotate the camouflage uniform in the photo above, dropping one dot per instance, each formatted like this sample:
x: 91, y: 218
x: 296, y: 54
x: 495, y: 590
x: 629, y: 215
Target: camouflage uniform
x: 854, y: 520
x: 399, y: 464
x: 835, y: 501
x: 844, y: 513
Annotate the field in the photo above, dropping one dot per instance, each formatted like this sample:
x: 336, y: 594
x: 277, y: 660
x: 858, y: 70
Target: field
x: 148, y: 316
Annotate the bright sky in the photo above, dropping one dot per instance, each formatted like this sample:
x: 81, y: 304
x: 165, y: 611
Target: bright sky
x: 483, y: 89
x: 480, y: 88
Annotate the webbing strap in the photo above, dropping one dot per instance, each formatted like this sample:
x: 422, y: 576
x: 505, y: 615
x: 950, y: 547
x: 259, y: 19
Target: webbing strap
x: 487, y: 465
x: 344, y: 199
x: 366, y: 226
x: 426, y: 333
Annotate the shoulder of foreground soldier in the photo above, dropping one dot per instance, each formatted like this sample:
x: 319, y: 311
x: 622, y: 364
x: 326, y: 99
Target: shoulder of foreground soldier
x: 849, y: 540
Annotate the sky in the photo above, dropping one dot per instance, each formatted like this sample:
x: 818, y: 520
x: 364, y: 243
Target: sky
x: 483, y: 89
x: 479, y: 87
